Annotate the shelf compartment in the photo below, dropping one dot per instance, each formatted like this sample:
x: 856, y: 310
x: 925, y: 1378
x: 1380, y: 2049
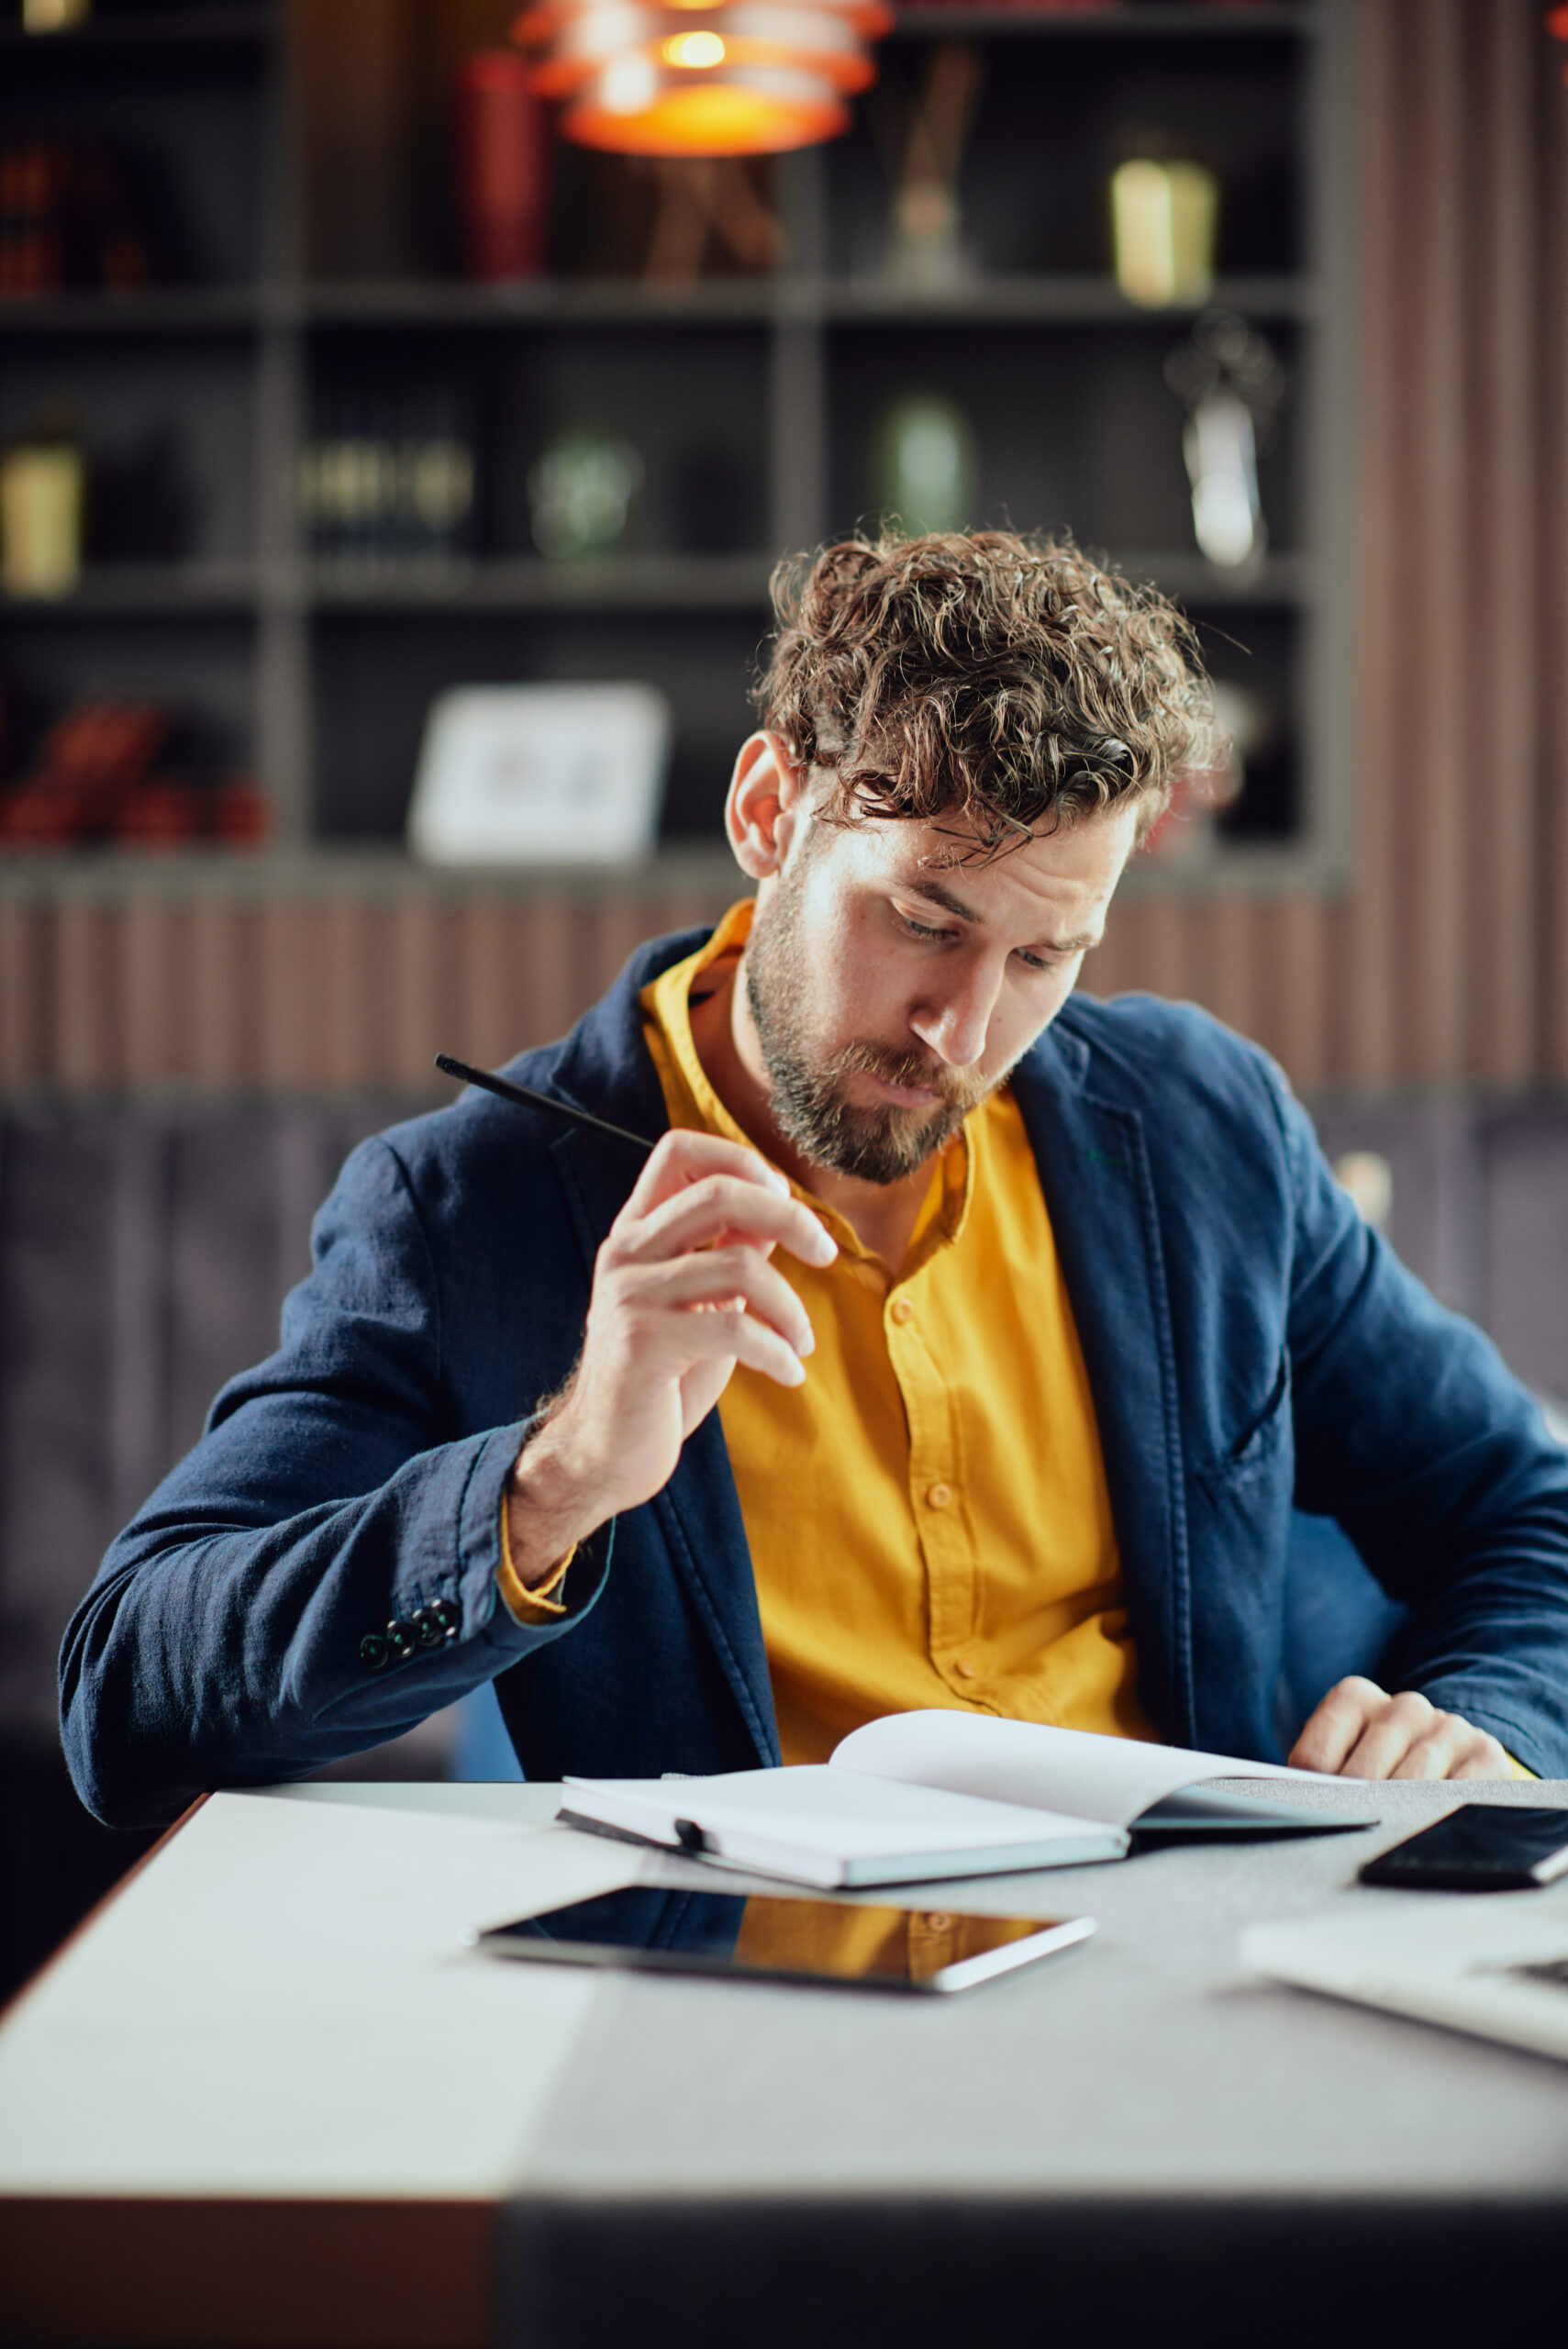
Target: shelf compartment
x: 376, y: 675
x: 198, y: 665
x: 169, y: 430
x: 695, y: 408
x: 1079, y: 434
x: 189, y: 142
x: 1075, y: 108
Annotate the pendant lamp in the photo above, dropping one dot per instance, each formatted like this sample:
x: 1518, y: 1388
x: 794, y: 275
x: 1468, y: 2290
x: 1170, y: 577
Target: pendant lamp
x: 702, y: 77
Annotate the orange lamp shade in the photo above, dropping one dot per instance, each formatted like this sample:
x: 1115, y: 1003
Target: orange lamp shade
x: 701, y: 77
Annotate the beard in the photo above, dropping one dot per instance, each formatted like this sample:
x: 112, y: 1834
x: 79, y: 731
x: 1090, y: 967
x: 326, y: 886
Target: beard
x: 810, y: 1102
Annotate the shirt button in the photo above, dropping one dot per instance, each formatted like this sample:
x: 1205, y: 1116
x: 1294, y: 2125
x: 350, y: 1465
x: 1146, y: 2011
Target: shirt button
x: 940, y: 1496
x: 901, y: 1309
x: 965, y: 1670
x: 939, y: 1922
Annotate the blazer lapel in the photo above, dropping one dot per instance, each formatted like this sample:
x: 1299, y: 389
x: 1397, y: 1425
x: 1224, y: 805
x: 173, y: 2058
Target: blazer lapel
x: 1095, y: 1171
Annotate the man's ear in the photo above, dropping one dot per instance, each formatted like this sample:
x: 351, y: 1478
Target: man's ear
x: 767, y: 799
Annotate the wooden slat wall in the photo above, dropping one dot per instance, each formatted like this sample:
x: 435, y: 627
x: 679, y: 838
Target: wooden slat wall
x: 1447, y: 960
x: 318, y: 992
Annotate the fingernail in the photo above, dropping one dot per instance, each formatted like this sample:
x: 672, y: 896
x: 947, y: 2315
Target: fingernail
x: 806, y: 1345
x: 780, y: 1182
x: 827, y: 1246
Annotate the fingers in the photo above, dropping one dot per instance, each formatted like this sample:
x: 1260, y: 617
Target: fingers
x: 1330, y: 1737
x: 715, y: 1207
x: 718, y: 1280
x: 1360, y: 1732
x: 1403, y: 1738
x: 684, y: 1157
x: 662, y: 1338
x: 1453, y: 1748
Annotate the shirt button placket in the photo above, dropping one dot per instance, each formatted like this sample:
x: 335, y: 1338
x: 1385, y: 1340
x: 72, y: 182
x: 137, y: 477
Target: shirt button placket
x: 949, y: 1569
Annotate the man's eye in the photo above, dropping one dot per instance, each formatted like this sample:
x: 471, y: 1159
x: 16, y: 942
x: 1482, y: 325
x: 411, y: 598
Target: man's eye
x: 917, y: 929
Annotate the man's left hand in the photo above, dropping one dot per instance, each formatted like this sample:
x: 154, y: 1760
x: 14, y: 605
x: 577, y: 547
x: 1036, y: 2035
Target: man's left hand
x: 1360, y: 1732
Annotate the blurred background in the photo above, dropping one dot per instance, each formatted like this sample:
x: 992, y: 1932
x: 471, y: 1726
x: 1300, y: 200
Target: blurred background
x: 336, y: 383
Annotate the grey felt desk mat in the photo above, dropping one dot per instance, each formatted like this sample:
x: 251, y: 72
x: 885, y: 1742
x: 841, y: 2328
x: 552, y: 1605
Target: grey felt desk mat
x: 1144, y: 2064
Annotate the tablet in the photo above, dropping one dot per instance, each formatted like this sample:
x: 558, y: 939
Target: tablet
x: 768, y: 1937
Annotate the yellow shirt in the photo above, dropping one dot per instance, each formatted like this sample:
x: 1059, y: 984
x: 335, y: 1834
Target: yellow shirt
x: 927, y: 1515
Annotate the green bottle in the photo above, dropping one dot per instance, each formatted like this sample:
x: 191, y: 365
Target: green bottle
x: 925, y: 465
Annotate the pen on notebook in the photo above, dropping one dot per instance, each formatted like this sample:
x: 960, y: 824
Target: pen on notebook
x: 526, y: 1098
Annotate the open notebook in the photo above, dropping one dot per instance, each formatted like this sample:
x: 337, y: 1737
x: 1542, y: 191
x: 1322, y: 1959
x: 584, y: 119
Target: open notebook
x: 920, y: 1796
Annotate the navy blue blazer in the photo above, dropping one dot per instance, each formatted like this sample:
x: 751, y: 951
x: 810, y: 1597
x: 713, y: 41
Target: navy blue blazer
x: 1248, y: 1343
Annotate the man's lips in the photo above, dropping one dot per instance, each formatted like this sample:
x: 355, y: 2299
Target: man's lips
x: 908, y: 1096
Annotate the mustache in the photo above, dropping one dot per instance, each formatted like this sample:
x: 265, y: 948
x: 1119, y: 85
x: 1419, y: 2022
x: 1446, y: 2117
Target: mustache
x: 917, y: 1070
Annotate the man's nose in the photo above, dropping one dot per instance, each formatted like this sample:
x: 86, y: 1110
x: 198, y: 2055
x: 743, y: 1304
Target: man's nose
x: 956, y: 1026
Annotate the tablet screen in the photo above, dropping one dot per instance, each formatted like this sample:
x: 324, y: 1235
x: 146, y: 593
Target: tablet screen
x: 785, y: 1940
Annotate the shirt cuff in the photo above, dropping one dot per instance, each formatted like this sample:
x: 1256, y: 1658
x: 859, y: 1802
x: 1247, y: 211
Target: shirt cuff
x: 531, y: 1603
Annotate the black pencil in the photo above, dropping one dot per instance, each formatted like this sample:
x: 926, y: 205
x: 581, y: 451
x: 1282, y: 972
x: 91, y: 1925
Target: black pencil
x: 525, y: 1097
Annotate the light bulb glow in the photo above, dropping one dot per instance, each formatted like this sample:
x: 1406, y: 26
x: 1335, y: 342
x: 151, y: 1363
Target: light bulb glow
x: 694, y: 49
x: 628, y: 83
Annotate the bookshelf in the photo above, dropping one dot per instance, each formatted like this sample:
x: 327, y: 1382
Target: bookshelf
x: 751, y: 399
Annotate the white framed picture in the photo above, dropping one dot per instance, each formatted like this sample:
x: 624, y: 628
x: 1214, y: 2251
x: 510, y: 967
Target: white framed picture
x: 541, y: 774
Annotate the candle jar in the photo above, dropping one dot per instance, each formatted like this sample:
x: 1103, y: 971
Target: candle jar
x: 42, y: 493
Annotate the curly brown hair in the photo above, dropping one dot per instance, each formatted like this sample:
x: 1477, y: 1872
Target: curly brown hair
x: 1006, y: 681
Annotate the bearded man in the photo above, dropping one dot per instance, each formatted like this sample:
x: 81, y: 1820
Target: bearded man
x: 963, y: 1342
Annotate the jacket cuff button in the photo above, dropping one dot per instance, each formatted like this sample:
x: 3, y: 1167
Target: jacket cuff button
x: 429, y: 1629
x: 448, y: 1615
x: 400, y: 1639
x: 373, y: 1651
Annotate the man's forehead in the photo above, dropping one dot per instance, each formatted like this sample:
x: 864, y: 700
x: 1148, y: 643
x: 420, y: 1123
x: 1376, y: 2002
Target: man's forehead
x: 946, y: 843
x: 955, y: 854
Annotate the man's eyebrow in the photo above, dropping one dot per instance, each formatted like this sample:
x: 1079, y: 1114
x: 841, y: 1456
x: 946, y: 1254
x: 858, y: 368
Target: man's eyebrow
x: 939, y: 895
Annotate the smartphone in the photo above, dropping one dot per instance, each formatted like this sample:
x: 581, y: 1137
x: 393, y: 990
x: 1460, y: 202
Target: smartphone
x: 1480, y: 1847
x: 774, y: 1939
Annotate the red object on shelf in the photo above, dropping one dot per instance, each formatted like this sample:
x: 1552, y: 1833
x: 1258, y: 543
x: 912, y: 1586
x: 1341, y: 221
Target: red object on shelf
x: 501, y: 144
x: 160, y: 813
x: 44, y: 814
x: 240, y: 813
x: 95, y: 784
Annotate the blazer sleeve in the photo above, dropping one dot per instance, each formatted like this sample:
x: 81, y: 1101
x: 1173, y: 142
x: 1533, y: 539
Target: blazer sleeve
x: 318, y: 1574
x: 1411, y: 1430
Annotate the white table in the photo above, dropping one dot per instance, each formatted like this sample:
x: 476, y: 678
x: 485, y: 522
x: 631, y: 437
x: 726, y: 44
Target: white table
x: 269, y: 2095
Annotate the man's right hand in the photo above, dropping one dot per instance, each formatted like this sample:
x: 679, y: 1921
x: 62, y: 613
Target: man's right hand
x: 683, y: 1291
